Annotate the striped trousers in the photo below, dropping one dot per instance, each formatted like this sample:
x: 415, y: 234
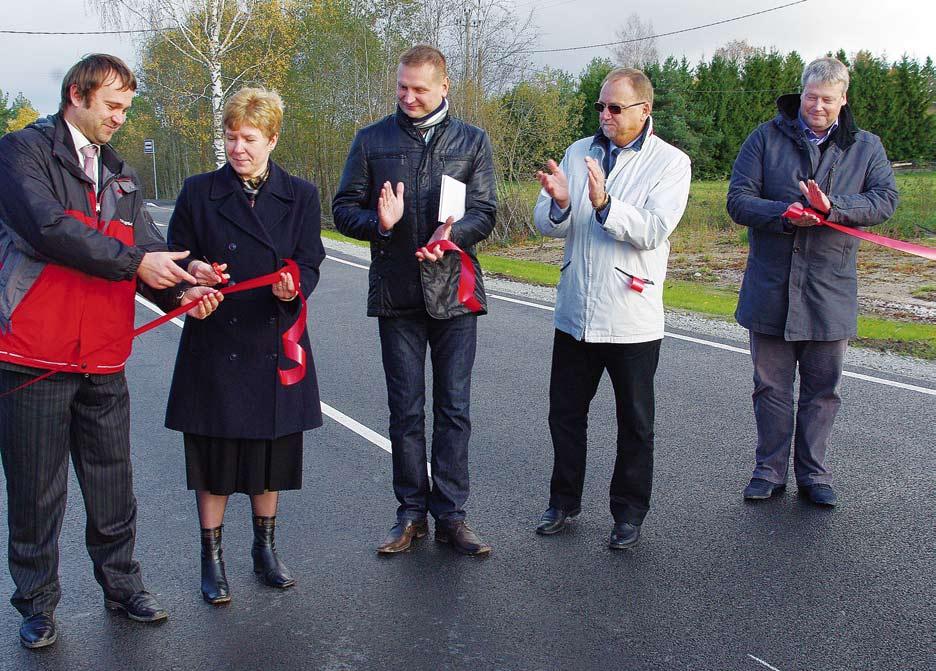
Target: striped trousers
x: 88, y: 417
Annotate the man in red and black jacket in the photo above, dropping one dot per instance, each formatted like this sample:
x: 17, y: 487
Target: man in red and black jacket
x: 75, y: 245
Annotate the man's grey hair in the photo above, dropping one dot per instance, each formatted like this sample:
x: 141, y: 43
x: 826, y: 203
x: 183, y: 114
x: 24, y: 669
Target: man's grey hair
x: 826, y: 71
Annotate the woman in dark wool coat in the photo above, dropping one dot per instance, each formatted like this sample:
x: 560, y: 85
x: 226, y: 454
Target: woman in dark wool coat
x: 242, y: 428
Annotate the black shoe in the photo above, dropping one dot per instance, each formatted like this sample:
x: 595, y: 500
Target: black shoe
x: 462, y: 538
x: 142, y: 607
x: 624, y: 535
x: 821, y: 494
x: 38, y: 631
x: 759, y: 489
x: 402, y: 535
x: 214, y: 584
x: 267, y: 564
x: 554, y: 520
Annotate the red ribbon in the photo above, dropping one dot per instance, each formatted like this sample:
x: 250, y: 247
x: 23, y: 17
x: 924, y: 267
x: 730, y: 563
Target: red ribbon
x: 291, y: 337
x: 797, y: 210
x: 466, y: 279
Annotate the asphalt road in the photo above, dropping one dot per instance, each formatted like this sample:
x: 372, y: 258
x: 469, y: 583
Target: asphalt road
x: 713, y: 584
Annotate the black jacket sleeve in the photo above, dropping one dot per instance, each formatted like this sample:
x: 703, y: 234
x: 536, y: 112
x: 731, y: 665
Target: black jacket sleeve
x: 349, y: 206
x: 480, y: 199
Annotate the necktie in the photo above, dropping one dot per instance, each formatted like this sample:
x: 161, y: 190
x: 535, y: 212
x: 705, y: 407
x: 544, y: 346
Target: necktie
x: 90, y: 153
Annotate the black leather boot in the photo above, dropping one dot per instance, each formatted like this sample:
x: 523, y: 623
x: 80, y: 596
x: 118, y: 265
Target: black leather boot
x: 214, y: 585
x: 267, y: 565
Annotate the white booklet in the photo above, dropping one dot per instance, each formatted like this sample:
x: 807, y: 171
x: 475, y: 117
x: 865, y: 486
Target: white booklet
x: 452, y: 199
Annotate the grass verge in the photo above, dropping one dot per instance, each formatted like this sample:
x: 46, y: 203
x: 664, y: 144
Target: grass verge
x: 910, y: 338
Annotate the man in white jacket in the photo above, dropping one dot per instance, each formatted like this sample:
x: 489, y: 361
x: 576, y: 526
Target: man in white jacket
x: 616, y: 198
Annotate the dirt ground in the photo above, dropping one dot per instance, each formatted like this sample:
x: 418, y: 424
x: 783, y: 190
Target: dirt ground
x: 890, y: 283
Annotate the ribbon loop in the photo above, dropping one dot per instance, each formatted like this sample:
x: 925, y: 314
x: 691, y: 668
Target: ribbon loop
x: 466, y: 278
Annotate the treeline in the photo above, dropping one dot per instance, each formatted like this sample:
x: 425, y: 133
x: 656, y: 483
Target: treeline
x: 16, y: 114
x: 334, y: 63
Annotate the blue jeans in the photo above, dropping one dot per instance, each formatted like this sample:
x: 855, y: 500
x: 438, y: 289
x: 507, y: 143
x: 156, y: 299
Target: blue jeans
x: 451, y: 343
x: 820, y: 369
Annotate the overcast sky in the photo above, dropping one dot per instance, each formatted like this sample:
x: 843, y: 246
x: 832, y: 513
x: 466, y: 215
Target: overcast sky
x: 35, y: 64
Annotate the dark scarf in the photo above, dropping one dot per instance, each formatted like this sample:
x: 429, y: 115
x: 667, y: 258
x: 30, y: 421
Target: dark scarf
x: 253, y: 185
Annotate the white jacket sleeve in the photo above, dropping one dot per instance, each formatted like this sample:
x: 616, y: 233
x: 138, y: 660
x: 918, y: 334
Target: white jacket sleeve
x: 649, y: 226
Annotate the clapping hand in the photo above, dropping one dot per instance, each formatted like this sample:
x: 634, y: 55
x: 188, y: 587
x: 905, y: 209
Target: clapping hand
x: 390, y: 206
x: 596, y: 183
x: 555, y: 183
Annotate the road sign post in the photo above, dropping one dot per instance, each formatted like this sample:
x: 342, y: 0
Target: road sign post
x: 149, y: 147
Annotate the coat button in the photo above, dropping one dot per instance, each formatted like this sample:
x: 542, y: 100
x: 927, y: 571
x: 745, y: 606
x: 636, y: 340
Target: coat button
x: 273, y: 356
x: 272, y: 320
x: 796, y: 250
x: 233, y: 357
x: 232, y: 246
x: 232, y: 321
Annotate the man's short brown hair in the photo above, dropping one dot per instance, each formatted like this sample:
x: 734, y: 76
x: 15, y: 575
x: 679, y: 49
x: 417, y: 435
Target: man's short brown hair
x: 425, y: 53
x: 91, y: 73
x: 637, y: 79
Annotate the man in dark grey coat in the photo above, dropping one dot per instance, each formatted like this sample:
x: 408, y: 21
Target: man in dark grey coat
x: 799, y: 297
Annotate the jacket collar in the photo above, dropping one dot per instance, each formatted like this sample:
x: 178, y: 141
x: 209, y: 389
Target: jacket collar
x: 407, y: 124
x: 601, y: 140
x: 226, y: 181
x: 271, y: 207
x: 788, y: 114
x: 63, y: 148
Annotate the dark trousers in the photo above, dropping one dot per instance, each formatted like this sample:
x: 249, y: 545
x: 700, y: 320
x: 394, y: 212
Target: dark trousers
x: 820, y: 368
x: 88, y: 417
x: 451, y: 342
x: 577, y: 368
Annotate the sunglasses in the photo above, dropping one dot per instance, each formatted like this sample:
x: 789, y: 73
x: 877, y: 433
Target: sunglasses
x: 615, y: 108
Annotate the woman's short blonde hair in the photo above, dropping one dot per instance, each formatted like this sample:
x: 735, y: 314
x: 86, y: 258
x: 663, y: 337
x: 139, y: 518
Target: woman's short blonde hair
x: 255, y: 107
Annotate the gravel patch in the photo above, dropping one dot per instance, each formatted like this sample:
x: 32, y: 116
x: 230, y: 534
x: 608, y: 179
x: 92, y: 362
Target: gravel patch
x: 885, y: 362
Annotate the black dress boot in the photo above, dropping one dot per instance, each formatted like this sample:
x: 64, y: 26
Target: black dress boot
x: 267, y: 565
x: 214, y: 585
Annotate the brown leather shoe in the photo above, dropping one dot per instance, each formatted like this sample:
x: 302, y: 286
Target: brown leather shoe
x: 402, y: 535
x: 462, y: 538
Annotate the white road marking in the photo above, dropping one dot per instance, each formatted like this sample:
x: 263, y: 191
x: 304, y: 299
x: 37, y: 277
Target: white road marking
x: 357, y: 427
x: 348, y: 263
x: 760, y: 661
x: 700, y: 341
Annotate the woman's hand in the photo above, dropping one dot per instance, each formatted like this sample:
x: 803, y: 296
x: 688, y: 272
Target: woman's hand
x: 206, y: 273
x: 205, y: 300
x: 285, y: 290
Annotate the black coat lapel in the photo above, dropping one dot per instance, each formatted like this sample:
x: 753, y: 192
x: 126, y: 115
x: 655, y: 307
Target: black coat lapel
x: 275, y: 199
x: 233, y: 206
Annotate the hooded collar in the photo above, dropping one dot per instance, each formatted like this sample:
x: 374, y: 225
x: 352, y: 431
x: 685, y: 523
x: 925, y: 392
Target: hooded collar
x: 788, y: 117
x: 63, y: 147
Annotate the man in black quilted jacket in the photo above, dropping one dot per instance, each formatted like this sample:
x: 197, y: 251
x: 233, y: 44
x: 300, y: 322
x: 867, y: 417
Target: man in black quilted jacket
x: 389, y: 195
